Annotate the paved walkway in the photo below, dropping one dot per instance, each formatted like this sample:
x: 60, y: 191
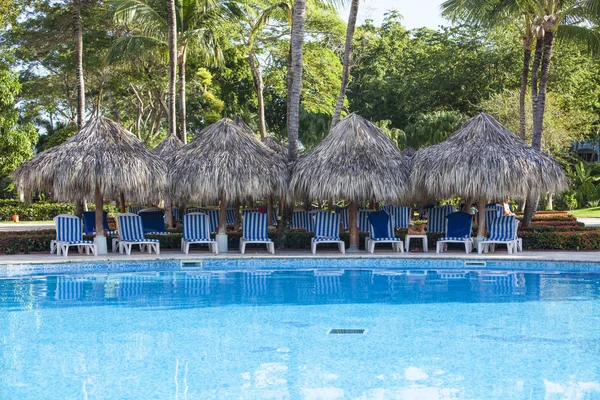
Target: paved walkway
x: 11, y: 227
x: 574, y: 256
x: 590, y: 222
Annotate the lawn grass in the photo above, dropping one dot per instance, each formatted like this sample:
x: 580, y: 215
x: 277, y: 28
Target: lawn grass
x: 593, y: 212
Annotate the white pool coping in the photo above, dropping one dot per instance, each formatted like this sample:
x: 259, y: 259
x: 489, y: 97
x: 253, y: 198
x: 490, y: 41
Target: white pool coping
x: 565, y: 256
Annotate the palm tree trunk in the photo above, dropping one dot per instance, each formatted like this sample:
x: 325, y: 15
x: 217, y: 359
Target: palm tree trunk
x: 346, y: 61
x: 297, y: 40
x: 78, y: 36
x: 78, y: 33
x: 172, y: 30
x: 258, y: 87
x: 182, y: 112
x: 523, y: 91
x: 539, y: 105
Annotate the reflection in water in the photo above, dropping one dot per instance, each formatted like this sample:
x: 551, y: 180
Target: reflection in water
x: 204, y: 288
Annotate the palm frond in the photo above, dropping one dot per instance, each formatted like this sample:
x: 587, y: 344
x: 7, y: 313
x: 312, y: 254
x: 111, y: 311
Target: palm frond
x: 580, y: 34
x: 142, y: 15
x: 130, y: 47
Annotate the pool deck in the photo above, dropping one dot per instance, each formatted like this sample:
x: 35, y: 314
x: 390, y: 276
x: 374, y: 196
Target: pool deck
x: 566, y: 256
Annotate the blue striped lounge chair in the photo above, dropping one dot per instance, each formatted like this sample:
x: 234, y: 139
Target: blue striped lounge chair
x: 436, y: 219
x: 344, y: 217
x: 327, y: 230
x: 381, y: 230
x: 502, y: 231
x: 491, y: 213
x: 424, y: 213
x: 363, y: 220
x: 401, y: 215
x: 230, y: 216
x: 299, y: 218
x: 256, y: 230
x: 134, y: 209
x: 69, y: 233
x: 213, y: 219
x: 175, y: 214
x: 196, y: 230
x: 458, y: 231
x: 192, y: 210
x: 310, y: 220
x: 131, y: 231
x: 89, y: 223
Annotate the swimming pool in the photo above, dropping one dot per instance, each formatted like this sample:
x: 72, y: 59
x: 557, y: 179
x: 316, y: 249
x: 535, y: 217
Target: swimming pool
x: 266, y: 333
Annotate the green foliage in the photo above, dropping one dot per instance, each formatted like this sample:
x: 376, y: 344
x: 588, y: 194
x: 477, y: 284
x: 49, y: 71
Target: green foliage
x: 397, y: 136
x: 16, y: 139
x: 33, y: 211
x: 433, y: 128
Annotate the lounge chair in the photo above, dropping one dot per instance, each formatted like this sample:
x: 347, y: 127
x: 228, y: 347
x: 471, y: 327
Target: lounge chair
x: 231, y: 216
x: 436, y: 219
x: 175, y: 214
x: 89, y: 227
x: 344, y: 217
x: 381, y: 230
x: 503, y: 230
x: 153, y: 222
x: 458, y: 231
x: 131, y: 232
x: 299, y: 218
x: 256, y: 230
x: 400, y: 215
x: 192, y: 210
x: 196, y: 230
x: 213, y: 219
x: 134, y: 209
x: 69, y: 233
x: 327, y: 230
x: 363, y: 220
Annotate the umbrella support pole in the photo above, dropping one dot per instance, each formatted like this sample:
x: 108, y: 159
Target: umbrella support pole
x: 221, y: 236
x: 352, y: 228
x: 222, y: 242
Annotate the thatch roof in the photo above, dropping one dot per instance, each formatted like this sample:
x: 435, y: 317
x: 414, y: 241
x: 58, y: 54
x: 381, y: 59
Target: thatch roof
x: 226, y: 160
x: 168, y: 146
x: 484, y: 160
x: 102, y: 151
x: 356, y: 161
x: 409, y: 152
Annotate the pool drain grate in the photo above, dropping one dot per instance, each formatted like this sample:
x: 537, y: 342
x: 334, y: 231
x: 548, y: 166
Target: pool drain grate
x: 340, y: 331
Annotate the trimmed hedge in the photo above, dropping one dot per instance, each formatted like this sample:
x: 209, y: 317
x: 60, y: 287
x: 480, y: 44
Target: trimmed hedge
x: 42, y: 211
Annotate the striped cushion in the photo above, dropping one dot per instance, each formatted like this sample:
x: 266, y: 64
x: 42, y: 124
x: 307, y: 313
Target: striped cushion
x: 134, y: 209
x: 213, y: 219
x: 175, y: 214
x: 363, y: 223
x: 256, y: 226
x: 299, y: 219
x: 450, y: 238
x: 68, y: 229
x: 503, y: 228
x: 196, y: 227
x: 327, y: 226
x: 400, y: 215
x: 387, y: 239
x: 130, y: 228
x: 343, y: 211
x: 79, y: 242
x: 326, y: 239
x: 230, y: 216
x: 436, y: 221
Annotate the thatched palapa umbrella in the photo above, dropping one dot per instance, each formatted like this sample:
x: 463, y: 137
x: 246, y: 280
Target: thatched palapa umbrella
x: 166, y: 150
x: 357, y: 162
x: 484, y: 160
x: 226, y: 163
x: 103, y: 160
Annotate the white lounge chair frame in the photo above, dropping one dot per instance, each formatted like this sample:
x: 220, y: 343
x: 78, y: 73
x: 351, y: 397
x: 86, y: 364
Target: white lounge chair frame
x: 59, y: 246
x: 212, y: 244
x: 127, y: 245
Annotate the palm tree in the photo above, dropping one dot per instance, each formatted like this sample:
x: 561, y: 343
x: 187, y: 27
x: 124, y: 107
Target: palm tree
x: 346, y: 61
x: 196, y: 27
x: 172, y: 39
x: 78, y: 34
x: 542, y: 19
x: 297, y: 39
x: 256, y: 23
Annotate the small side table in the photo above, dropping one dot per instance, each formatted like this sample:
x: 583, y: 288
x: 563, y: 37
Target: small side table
x: 422, y: 237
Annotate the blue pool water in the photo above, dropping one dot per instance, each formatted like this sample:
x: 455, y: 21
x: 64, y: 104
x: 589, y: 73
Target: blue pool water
x: 264, y: 335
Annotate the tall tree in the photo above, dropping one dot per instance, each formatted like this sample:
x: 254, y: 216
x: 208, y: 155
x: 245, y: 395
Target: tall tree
x: 346, y: 61
x: 172, y: 41
x: 297, y: 39
x: 196, y: 29
x: 78, y: 53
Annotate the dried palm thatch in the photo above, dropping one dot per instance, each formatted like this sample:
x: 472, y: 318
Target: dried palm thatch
x: 226, y: 162
x: 356, y: 162
x: 484, y: 160
x: 409, y: 152
x: 168, y: 146
x: 102, y: 153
